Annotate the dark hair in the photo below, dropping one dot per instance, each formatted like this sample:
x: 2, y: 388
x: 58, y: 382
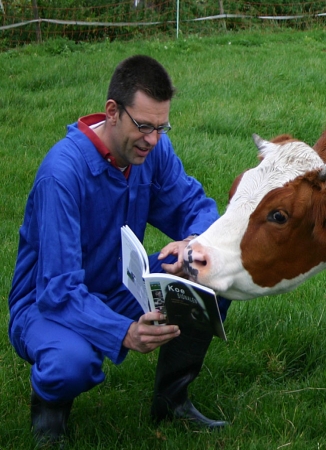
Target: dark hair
x: 140, y: 73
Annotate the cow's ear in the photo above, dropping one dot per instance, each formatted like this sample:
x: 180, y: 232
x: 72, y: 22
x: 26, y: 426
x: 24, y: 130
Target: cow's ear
x: 263, y: 146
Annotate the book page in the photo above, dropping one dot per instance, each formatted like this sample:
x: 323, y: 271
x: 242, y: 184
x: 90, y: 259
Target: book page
x: 129, y: 235
x: 133, y: 267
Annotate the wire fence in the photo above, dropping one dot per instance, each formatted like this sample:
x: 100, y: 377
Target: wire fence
x: 28, y: 21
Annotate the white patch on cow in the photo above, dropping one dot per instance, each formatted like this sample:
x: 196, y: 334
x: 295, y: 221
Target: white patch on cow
x: 281, y: 164
x: 243, y: 288
x: 226, y: 275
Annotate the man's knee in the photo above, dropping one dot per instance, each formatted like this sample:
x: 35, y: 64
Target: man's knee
x: 61, y: 372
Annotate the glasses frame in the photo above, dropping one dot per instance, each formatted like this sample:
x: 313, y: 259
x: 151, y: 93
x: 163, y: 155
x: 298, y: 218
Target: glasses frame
x: 162, y: 129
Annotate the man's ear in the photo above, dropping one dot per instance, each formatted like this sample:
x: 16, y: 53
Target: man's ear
x: 111, y: 111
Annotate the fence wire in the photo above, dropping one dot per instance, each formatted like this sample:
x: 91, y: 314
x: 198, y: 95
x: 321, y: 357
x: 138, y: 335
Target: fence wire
x: 27, y: 21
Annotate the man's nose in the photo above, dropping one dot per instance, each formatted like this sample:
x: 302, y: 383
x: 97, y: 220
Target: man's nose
x: 152, y: 138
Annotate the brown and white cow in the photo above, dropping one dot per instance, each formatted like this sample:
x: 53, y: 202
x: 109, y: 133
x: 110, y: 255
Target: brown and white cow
x: 272, y: 236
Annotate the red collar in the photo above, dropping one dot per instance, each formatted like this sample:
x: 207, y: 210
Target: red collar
x: 84, y: 124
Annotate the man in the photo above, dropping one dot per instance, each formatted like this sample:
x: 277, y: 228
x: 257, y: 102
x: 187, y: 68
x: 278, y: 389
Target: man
x: 68, y: 307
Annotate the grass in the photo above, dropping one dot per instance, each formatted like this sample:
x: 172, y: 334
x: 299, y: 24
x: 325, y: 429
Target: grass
x: 269, y: 379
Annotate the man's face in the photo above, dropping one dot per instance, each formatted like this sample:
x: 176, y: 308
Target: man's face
x: 128, y: 145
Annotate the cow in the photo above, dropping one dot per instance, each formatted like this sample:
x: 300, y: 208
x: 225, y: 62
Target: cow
x: 272, y: 236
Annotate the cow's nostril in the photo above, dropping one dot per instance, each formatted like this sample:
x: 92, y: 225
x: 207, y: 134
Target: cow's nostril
x: 196, y: 258
x: 200, y: 263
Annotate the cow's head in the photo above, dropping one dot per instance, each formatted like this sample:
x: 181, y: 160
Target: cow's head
x: 272, y: 236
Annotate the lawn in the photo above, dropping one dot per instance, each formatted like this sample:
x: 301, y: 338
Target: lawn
x: 269, y: 379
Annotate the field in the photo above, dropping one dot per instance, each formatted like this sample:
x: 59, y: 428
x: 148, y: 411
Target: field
x: 269, y: 379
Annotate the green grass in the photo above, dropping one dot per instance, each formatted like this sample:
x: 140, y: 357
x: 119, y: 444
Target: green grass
x: 269, y: 379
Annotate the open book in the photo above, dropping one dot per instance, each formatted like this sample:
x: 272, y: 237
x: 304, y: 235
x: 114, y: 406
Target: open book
x: 182, y: 301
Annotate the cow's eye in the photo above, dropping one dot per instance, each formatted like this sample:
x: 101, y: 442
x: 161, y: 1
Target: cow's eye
x: 278, y: 217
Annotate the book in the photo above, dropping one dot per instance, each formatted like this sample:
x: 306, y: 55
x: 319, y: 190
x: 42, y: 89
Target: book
x: 183, y: 301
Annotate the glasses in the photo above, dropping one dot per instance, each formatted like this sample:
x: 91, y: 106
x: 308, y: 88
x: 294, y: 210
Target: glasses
x: 148, y: 129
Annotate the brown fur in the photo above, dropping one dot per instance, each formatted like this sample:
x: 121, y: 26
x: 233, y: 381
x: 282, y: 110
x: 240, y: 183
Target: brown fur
x: 283, y: 139
x: 272, y: 251
x: 320, y: 146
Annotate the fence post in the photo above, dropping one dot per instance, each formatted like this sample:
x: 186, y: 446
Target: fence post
x: 37, y: 24
x: 178, y: 17
x: 222, y: 12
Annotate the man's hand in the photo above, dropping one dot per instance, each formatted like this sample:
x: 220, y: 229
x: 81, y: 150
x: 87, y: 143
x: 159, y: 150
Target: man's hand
x: 175, y: 248
x: 144, y: 337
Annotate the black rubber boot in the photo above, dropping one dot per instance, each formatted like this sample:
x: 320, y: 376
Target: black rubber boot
x: 179, y: 363
x: 49, y: 420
